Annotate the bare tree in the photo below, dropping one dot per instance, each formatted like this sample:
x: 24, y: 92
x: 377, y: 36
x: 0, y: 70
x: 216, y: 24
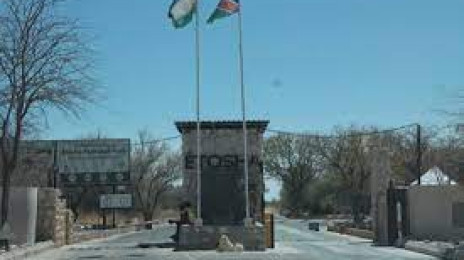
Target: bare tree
x: 76, y: 196
x: 294, y: 161
x: 345, y: 157
x: 446, y: 152
x: 44, y: 64
x: 154, y: 172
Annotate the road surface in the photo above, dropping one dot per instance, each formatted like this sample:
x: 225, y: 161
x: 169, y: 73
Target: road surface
x: 293, y: 242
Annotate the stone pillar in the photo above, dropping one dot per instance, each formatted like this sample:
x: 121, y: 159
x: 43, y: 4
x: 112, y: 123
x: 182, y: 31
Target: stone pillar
x: 46, y: 214
x: 59, y: 236
x: 223, y: 204
x: 222, y: 162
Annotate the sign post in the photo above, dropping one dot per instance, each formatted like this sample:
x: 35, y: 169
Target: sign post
x: 114, y: 210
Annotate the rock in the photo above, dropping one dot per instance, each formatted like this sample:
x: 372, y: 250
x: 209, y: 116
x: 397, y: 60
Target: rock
x: 225, y: 245
x: 460, y: 245
x: 238, y: 247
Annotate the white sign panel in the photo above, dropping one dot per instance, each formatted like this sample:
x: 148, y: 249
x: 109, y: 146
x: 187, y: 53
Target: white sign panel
x: 94, y: 156
x: 115, y: 201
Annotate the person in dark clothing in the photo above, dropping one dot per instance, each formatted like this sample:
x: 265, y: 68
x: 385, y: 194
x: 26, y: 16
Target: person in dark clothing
x: 185, y: 219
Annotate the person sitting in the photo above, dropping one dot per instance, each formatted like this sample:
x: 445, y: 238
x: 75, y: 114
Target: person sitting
x: 185, y: 219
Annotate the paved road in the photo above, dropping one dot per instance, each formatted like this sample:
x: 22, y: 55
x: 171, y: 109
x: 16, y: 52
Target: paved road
x: 293, y: 242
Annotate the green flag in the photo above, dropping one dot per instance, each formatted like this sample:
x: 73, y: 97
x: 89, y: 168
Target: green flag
x: 225, y: 8
x: 181, y: 12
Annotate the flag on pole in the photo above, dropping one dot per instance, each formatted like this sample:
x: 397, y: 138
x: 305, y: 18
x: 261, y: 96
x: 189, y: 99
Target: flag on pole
x: 224, y: 8
x: 181, y: 12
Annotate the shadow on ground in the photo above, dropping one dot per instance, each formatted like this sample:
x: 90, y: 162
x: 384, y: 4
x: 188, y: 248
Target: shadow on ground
x: 157, y: 245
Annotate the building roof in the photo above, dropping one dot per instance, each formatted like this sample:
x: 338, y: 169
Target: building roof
x: 435, y: 177
x: 261, y: 125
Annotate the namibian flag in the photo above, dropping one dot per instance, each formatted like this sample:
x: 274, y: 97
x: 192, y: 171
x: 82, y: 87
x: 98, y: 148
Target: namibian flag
x: 224, y: 8
x: 181, y: 12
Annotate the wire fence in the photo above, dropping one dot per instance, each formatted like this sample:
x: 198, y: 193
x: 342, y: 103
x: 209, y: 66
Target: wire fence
x: 414, y: 149
x: 359, y: 132
x: 155, y: 141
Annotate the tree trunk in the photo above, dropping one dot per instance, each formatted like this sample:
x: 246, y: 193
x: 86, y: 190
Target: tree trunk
x: 295, y: 201
x: 104, y: 219
x: 5, y: 200
x: 356, y: 209
x: 148, y: 217
x: 75, y: 212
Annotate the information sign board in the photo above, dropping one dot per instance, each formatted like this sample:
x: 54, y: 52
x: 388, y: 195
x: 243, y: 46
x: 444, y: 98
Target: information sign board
x: 99, y: 161
x: 115, y: 201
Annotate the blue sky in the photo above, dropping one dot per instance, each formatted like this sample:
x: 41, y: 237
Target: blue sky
x: 309, y: 64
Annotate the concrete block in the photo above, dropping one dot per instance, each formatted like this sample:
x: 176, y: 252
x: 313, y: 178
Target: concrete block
x: 314, y: 226
x: 207, y: 237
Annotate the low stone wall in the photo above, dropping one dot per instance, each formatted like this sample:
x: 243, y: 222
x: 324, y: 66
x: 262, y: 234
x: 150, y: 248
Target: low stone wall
x: 362, y: 233
x: 63, y: 224
x: 357, y: 232
x: 37, y: 215
x: 337, y: 228
x: 46, y: 211
x: 85, y: 235
x: 441, y: 250
x: 207, y: 237
x: 53, y: 221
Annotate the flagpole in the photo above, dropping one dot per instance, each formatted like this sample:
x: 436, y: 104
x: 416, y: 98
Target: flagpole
x: 245, y: 143
x: 198, y: 221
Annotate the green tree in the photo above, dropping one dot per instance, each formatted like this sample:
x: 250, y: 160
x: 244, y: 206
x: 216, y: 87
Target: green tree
x: 345, y: 157
x: 293, y: 160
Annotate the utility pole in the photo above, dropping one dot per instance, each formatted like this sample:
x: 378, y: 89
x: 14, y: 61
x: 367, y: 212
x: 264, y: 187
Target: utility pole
x: 55, y: 164
x: 114, y: 209
x: 419, y: 155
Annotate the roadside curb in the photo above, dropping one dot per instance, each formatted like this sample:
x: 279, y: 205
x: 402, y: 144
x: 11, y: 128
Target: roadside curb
x: 22, y: 253
x: 25, y: 252
x: 354, y: 234
x: 366, y: 234
x: 104, y: 237
x: 440, y: 250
